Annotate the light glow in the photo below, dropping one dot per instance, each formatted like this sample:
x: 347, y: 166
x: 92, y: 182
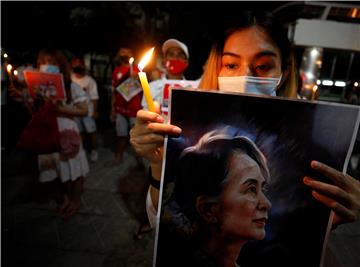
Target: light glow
x: 145, y: 60
x: 9, y: 68
x: 328, y: 82
x: 340, y: 84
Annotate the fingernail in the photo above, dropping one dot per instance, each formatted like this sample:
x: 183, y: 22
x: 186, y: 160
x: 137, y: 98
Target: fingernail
x: 176, y: 130
x: 306, y: 180
x: 315, y: 164
x: 159, y: 119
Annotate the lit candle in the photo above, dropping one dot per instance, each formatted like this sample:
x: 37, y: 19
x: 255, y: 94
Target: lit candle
x: 131, y: 60
x: 143, y: 79
x: 314, y: 89
x: 9, y: 70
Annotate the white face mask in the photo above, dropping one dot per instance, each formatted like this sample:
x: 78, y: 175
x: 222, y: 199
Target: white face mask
x: 249, y: 84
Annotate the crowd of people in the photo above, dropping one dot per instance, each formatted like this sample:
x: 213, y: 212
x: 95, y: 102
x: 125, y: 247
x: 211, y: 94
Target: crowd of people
x: 254, y: 55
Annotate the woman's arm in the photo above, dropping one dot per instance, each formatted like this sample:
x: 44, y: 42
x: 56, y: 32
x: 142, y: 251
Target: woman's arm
x: 343, y: 197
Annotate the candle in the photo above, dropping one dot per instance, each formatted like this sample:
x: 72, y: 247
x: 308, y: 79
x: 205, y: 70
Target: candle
x: 9, y: 69
x: 314, y: 89
x: 143, y: 79
x: 131, y: 60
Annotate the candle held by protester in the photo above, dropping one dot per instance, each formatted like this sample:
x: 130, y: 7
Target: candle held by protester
x: 143, y: 79
x: 131, y: 61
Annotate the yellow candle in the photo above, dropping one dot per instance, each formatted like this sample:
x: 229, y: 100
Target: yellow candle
x: 131, y: 60
x: 143, y: 80
x: 9, y: 68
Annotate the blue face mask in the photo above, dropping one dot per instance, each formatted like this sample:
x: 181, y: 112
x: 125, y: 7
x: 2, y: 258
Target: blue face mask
x: 49, y: 68
x: 249, y: 84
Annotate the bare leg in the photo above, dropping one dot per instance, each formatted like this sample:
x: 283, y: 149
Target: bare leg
x: 74, y: 189
x: 120, y: 148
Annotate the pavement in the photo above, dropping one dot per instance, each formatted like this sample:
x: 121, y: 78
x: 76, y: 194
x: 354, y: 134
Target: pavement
x: 102, y: 233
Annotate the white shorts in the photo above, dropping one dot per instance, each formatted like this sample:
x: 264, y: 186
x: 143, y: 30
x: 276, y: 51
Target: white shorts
x: 86, y: 124
x: 123, y: 125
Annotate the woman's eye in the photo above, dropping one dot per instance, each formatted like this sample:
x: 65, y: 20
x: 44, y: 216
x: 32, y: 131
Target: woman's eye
x: 230, y: 66
x: 262, y: 67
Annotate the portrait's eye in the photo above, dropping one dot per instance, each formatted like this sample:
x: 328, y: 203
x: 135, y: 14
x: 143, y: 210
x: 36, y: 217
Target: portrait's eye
x: 252, y: 189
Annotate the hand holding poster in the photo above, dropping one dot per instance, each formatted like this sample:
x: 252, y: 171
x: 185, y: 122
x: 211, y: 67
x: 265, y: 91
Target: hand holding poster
x: 49, y: 85
x: 233, y: 190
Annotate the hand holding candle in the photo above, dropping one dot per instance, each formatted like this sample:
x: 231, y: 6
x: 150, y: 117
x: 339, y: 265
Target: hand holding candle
x: 143, y: 80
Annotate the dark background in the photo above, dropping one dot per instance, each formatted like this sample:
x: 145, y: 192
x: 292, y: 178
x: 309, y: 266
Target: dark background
x: 102, y: 27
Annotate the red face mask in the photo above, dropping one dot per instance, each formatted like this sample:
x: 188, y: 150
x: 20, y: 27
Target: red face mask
x: 176, y: 66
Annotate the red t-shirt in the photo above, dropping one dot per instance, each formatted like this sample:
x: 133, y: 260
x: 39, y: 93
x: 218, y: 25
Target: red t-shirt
x: 121, y: 106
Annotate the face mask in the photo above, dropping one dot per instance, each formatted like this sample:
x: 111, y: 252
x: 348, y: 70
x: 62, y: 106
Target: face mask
x: 49, y: 68
x: 124, y: 59
x: 176, y: 66
x: 79, y: 70
x: 249, y: 84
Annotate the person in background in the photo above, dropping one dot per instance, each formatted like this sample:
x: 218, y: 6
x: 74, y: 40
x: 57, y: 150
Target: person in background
x: 175, y: 61
x: 126, y: 99
x: 87, y: 125
x: 255, y: 55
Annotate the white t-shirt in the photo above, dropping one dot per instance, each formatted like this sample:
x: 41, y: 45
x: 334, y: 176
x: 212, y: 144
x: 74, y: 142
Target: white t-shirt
x: 159, y: 90
x: 88, y: 84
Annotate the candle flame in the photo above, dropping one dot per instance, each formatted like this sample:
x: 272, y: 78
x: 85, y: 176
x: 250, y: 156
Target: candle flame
x: 144, y: 61
x: 9, y: 67
x: 131, y: 60
x: 16, y: 72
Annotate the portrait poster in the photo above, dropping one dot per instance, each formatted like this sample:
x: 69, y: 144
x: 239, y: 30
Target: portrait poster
x: 45, y: 84
x: 290, y: 134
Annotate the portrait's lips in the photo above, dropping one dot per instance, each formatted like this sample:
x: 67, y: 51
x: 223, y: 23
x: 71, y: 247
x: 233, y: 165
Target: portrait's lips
x: 260, y: 222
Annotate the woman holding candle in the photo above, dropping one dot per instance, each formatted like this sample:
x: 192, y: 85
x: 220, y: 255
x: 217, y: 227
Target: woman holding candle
x: 255, y: 47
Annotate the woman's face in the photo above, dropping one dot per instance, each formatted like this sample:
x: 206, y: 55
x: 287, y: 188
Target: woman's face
x: 243, y: 205
x: 249, y: 52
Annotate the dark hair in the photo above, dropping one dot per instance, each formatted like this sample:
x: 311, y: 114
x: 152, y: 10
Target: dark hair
x: 276, y: 33
x: 265, y: 21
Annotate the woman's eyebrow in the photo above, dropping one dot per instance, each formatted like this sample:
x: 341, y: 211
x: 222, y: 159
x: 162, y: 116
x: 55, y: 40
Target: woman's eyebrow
x: 230, y: 54
x: 265, y: 53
